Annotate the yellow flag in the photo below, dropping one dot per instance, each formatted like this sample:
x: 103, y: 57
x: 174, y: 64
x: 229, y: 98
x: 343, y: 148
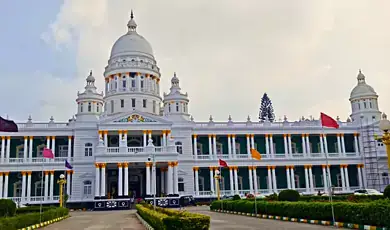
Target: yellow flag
x: 255, y: 154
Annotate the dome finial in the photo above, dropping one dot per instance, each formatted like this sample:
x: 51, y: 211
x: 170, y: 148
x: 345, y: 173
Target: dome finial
x: 361, y: 78
x: 131, y: 25
x: 131, y: 14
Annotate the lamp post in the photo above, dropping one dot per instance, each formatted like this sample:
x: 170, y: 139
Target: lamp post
x: 217, y: 177
x: 61, y: 182
x: 384, y: 125
x: 153, y: 159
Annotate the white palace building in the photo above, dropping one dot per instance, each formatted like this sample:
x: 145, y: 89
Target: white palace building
x: 115, y: 137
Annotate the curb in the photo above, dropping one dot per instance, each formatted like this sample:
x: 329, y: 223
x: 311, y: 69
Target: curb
x: 144, y: 223
x: 43, y: 224
x: 318, y: 222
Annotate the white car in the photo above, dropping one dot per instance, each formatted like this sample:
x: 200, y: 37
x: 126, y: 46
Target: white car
x: 367, y: 192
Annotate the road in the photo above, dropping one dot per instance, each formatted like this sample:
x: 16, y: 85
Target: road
x: 108, y: 220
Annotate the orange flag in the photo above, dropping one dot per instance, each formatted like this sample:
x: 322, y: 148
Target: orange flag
x: 255, y: 154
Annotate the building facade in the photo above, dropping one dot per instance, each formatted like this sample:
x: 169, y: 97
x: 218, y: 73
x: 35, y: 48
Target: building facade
x: 131, y: 142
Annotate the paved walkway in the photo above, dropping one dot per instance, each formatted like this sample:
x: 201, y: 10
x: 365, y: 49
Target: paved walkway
x: 108, y: 220
x: 235, y: 222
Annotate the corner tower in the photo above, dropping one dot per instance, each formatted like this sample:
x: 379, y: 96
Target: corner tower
x: 90, y: 102
x: 132, y: 76
x: 364, y: 102
x: 176, y: 102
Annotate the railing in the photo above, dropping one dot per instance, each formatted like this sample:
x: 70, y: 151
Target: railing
x: 286, y: 124
x: 276, y: 156
x: 34, y: 199
x: 35, y: 160
x: 42, y: 125
x: 135, y: 150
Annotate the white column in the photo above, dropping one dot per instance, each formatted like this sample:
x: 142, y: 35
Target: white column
x: 252, y: 141
x: 48, y: 142
x: 322, y: 144
x: 148, y: 183
x: 150, y: 134
x: 154, y: 180
x: 343, y: 143
x: 250, y: 179
x: 162, y: 180
x: 288, y: 176
x: 23, y: 186
x: 100, y: 134
x: 69, y: 147
x: 1, y: 185
x: 120, y: 135
x: 105, y: 138
x: 25, y: 149
x: 145, y: 141
x: 196, y: 171
x: 329, y: 177
x: 234, y: 145
x: 255, y: 185
x: 292, y: 174
x: 126, y: 179
x: 120, y: 179
x: 230, y: 146
x: 164, y: 138
x: 30, y: 148
x: 53, y: 145
x: 271, y: 145
x: 360, y: 176
x: 103, y: 180
x: 195, y: 147
x: 269, y: 179
x: 170, y: 178
x: 125, y: 136
x: 5, y: 188
x: 236, y: 179
x: 248, y: 147
x: 231, y: 168
x: 285, y: 145
x: 68, y: 181
x: 364, y: 175
x: 339, y: 150
x: 176, y: 178
x: 215, y: 146
x: 212, y: 180
x: 346, y: 175
x: 267, y: 145
x: 2, y: 148
x: 46, y: 185
x: 97, y: 180
x: 308, y: 150
x: 8, y: 148
x: 168, y: 135
x: 356, y: 142
x: 307, y: 182
x: 303, y: 145
x: 342, y: 177
x: 274, y: 179
x: 51, y: 194
x: 325, y: 144
x: 289, y: 145
x: 210, y: 146
x: 311, y: 178
x: 29, y: 186
x: 325, y: 179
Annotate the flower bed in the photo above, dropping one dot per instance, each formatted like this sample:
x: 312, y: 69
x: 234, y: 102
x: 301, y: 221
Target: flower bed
x: 373, y: 213
x: 164, y: 219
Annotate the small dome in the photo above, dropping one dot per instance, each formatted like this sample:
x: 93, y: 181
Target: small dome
x: 131, y: 42
x: 362, y: 89
x: 90, y: 78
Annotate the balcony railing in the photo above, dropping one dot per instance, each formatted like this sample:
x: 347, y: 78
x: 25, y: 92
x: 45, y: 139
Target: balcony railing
x: 277, y: 156
x: 35, y: 160
x: 137, y: 150
x: 34, y: 200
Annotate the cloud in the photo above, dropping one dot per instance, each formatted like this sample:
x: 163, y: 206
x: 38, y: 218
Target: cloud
x: 304, y: 54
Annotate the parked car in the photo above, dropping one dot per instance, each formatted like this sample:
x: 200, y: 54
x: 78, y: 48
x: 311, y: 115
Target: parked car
x: 367, y: 192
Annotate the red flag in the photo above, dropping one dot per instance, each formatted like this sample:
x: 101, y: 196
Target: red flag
x: 327, y: 121
x: 7, y: 125
x: 47, y: 153
x: 222, y: 163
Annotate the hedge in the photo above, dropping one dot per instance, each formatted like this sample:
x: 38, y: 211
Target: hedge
x: 31, y: 209
x: 375, y: 213
x: 337, y: 198
x: 28, y: 219
x: 7, y: 207
x: 167, y: 219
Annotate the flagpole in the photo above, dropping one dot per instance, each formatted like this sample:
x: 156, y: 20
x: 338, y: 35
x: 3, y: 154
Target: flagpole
x: 40, y: 205
x: 328, y: 178
x: 253, y: 184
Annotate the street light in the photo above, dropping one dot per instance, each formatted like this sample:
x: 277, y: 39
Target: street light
x: 384, y: 125
x: 153, y: 159
x: 61, y: 182
x: 217, y: 177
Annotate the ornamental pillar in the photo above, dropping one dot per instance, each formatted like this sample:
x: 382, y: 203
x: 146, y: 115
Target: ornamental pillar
x: 119, y: 135
x: 342, y: 143
x: 248, y: 147
x: 342, y: 177
x: 303, y: 145
x: 356, y: 142
x: 144, y: 132
x: 234, y: 146
x: 29, y: 186
x: 359, y: 171
x: 103, y: 180
x: 8, y: 151
x: 308, y: 149
x: 1, y: 185
x: 2, y: 149
x: 168, y: 134
x: 255, y: 185
x: 120, y: 179
x: 148, y: 181
x: 339, y: 150
x: 105, y: 132
x: 211, y: 168
x: 325, y: 178
x: 195, y: 146
x: 322, y: 143
x: 5, y: 195
x: 25, y: 149
x: 97, y: 180
x: 176, y: 177
x: 270, y: 179
x: 215, y: 146
x: 196, y: 174
x: 252, y: 141
x: 124, y: 137
x: 311, y: 178
x: 100, y: 134
x: 69, y: 147
x: 51, y: 185
x: 267, y: 145
x: 231, y: 178
x: 292, y: 174
x: 230, y: 146
x: 307, y: 182
x: 285, y: 148
x: 236, y: 179
x: 126, y: 179
x: 271, y: 145
x: 164, y: 138
x: 154, y: 180
x: 68, y: 181
x: 210, y: 146
x: 346, y: 175
x: 250, y: 179
x: 274, y: 179
x: 53, y: 145
x: 170, y: 178
x: 46, y: 186
x: 325, y: 144
x: 23, y: 196
x: 150, y: 135
x: 288, y: 176
x: 289, y: 145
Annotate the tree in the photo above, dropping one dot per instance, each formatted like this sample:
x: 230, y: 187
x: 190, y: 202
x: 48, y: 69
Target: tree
x: 266, y: 109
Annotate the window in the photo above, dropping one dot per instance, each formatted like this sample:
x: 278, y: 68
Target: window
x: 365, y: 105
x: 133, y: 83
x: 184, y: 107
x: 201, y: 183
x: 39, y: 187
x: 40, y: 150
x: 144, y: 103
x: 124, y: 83
x: 199, y: 149
x: 370, y: 104
x: 63, y: 151
x: 258, y: 181
x: 88, y: 149
x: 142, y: 84
x: 18, y: 189
x: 81, y: 107
x: 154, y: 106
x: 294, y: 147
x: 89, y: 107
x: 219, y: 148
x: 237, y: 148
x: 112, y: 106
x: 240, y: 185
x: 169, y: 108
x: 87, y: 191
x: 177, y: 107
x: 222, y: 183
x: 97, y: 107
x: 296, y: 180
x: 181, y: 184
x: 359, y: 106
x: 20, y: 151
x: 339, y: 183
x: 385, y: 178
x: 133, y: 102
x: 179, y: 147
x: 122, y: 103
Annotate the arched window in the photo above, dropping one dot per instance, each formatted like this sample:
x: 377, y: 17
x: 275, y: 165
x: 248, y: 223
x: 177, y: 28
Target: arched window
x: 97, y: 107
x: 87, y: 188
x: 199, y: 147
x: 169, y: 108
x: 296, y: 180
x: 18, y: 189
x: 219, y: 148
x: 177, y: 107
x: 339, y: 183
x: 294, y: 148
x: 385, y: 178
x: 181, y: 184
x: 201, y: 183
x: 179, y: 147
x: 38, y: 188
x: 81, y: 107
x: 240, y: 184
x: 89, y: 107
x: 88, y: 149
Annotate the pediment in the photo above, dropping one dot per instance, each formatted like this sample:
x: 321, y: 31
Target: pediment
x: 135, y: 117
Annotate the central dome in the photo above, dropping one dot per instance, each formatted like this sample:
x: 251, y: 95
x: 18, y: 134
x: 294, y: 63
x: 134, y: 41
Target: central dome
x: 362, y: 89
x: 131, y: 42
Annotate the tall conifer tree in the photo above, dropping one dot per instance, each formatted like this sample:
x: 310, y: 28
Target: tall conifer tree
x: 266, y: 109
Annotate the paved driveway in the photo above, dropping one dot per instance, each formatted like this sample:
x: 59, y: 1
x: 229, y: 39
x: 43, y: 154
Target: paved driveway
x: 108, y: 220
x: 235, y: 222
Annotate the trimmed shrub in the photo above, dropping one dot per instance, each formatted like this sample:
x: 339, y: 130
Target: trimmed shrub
x: 371, y: 213
x: 338, y: 198
x: 236, y: 197
x: 28, y: 219
x: 7, y: 207
x: 289, y: 195
x: 386, y: 193
x: 31, y: 209
x: 272, y: 197
x: 166, y: 219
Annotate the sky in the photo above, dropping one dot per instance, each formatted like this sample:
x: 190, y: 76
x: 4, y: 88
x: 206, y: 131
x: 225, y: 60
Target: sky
x: 304, y: 54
